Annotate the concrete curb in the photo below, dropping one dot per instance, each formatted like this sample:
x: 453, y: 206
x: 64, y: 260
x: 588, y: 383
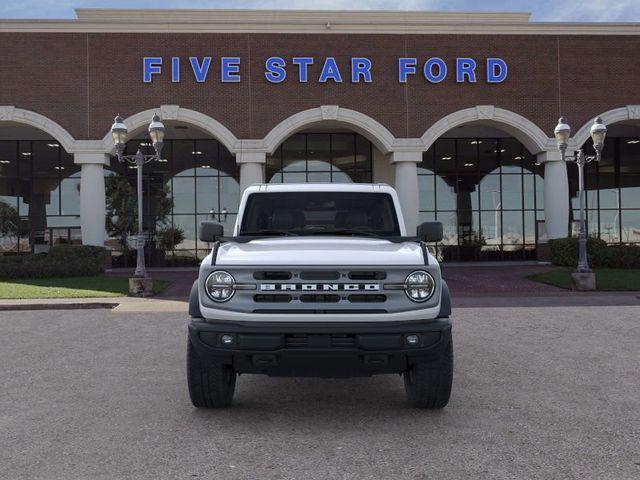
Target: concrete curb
x: 57, y: 306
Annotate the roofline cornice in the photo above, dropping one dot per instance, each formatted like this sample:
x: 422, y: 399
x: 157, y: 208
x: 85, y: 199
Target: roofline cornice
x: 311, y: 22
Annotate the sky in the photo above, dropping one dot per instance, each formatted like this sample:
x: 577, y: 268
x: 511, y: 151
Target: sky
x: 542, y: 10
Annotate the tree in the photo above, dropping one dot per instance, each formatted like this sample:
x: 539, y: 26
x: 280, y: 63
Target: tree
x: 122, y: 209
x: 9, y: 221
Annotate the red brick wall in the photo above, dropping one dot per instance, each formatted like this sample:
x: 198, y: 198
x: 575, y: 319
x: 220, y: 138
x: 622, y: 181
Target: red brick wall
x: 82, y: 80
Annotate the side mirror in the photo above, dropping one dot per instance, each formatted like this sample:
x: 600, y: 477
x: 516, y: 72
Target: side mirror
x: 430, y: 231
x: 210, y: 231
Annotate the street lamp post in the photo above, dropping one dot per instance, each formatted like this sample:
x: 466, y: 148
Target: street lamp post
x: 119, y: 133
x: 562, y: 133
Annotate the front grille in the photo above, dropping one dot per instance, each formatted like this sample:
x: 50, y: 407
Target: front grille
x: 319, y: 298
x: 360, y: 298
x: 272, y: 275
x: 323, y: 290
x: 320, y: 275
x: 278, y: 298
x: 367, y: 275
x: 302, y: 340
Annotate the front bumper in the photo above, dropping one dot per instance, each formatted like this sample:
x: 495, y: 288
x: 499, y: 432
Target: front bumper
x: 333, y: 350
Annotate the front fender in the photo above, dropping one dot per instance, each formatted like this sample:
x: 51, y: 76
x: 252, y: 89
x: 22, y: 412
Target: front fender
x: 194, y: 301
x: 445, y: 301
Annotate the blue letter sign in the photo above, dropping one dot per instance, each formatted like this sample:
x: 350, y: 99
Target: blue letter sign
x: 275, y: 69
x: 465, y: 67
x: 200, y: 71
x: 303, y: 66
x: 330, y: 71
x: 428, y: 70
x: 496, y: 70
x: 360, y: 67
x: 230, y: 71
x: 434, y: 69
x: 406, y: 66
x: 151, y: 66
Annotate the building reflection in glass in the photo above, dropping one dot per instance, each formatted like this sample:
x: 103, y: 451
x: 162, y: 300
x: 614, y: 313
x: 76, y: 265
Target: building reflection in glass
x: 39, y: 196
x: 488, y: 192
x: 201, y: 178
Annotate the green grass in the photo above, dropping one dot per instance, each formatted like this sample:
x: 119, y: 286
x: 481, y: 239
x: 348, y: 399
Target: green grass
x: 607, y: 279
x: 71, y: 287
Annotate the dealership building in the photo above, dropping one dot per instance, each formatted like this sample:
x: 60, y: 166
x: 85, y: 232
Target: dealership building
x: 455, y: 110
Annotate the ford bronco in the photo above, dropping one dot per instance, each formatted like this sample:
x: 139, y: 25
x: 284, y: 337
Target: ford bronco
x: 319, y: 280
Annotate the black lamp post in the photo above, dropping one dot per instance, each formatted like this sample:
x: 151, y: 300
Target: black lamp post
x: 598, y: 133
x: 156, y: 132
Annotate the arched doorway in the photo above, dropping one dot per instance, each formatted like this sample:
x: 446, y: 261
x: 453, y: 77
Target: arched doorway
x: 328, y: 144
x: 322, y: 156
x: 612, y: 186
x: 488, y: 191
x: 39, y: 189
x: 197, y: 179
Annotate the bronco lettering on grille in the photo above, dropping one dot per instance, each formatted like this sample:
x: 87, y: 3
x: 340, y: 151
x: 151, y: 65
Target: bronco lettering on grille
x: 315, y: 287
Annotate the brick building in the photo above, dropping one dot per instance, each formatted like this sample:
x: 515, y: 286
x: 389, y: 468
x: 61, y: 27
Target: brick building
x: 456, y: 110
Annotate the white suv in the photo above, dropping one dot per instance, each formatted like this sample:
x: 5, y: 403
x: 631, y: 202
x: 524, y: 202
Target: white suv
x: 320, y: 280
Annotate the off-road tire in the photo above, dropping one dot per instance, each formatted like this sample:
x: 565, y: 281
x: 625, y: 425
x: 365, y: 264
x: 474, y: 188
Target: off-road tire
x: 211, y: 385
x: 428, y: 385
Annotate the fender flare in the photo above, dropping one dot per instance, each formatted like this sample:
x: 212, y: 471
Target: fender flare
x: 194, y: 301
x: 445, y: 301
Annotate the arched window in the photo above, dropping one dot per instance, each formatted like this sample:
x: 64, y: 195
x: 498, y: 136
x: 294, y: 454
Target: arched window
x: 200, y: 178
x: 39, y: 195
x: 487, y: 192
x: 321, y: 158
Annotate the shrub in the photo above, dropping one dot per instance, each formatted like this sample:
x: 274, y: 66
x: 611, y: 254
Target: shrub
x: 169, y: 237
x: 61, y: 261
x: 564, y: 251
x: 618, y: 256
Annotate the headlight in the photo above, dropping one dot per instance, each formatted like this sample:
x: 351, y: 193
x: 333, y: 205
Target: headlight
x: 220, y: 286
x: 419, y: 286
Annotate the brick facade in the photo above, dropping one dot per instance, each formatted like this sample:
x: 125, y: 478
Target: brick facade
x: 80, y: 80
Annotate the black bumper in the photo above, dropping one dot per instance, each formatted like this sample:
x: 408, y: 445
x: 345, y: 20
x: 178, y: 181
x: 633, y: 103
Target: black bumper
x: 320, y: 350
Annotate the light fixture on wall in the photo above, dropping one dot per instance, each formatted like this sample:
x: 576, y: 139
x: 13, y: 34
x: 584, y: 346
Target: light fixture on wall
x: 562, y: 133
x: 119, y: 133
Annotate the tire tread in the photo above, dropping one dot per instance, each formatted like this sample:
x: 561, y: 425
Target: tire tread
x: 428, y: 385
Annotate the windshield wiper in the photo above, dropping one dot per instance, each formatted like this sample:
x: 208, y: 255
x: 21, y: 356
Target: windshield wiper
x: 269, y: 231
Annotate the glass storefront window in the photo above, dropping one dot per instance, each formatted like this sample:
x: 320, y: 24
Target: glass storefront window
x: 201, y: 180
x: 488, y: 194
x: 612, y: 191
x: 321, y: 157
x: 39, y: 195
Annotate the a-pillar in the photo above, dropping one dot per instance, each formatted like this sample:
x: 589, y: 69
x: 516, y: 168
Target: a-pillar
x: 556, y: 194
x: 251, y: 168
x: 92, y: 196
x: 406, y: 184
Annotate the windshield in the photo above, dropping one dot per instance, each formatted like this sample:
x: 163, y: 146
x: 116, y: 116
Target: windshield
x: 320, y: 213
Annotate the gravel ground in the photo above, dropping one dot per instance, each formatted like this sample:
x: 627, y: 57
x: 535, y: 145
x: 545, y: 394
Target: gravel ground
x: 538, y: 393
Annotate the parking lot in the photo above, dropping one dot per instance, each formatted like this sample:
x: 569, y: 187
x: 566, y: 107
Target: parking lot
x: 538, y: 393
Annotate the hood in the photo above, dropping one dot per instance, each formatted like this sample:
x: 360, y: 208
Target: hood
x: 320, y: 251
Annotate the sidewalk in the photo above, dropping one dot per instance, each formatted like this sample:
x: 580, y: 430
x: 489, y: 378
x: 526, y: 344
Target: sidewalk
x: 471, y: 286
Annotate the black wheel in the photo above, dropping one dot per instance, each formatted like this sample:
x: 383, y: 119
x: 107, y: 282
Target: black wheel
x: 428, y: 385
x: 211, y: 385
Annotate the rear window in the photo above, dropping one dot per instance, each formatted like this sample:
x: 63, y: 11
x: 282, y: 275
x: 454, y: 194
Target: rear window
x: 320, y: 213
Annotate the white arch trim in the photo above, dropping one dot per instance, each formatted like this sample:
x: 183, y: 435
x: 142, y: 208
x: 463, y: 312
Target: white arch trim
x: 531, y: 136
x: 10, y: 113
x: 177, y: 113
x: 382, y: 138
x: 629, y: 112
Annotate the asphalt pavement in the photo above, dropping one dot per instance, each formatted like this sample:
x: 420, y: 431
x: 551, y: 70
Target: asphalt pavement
x: 538, y: 393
